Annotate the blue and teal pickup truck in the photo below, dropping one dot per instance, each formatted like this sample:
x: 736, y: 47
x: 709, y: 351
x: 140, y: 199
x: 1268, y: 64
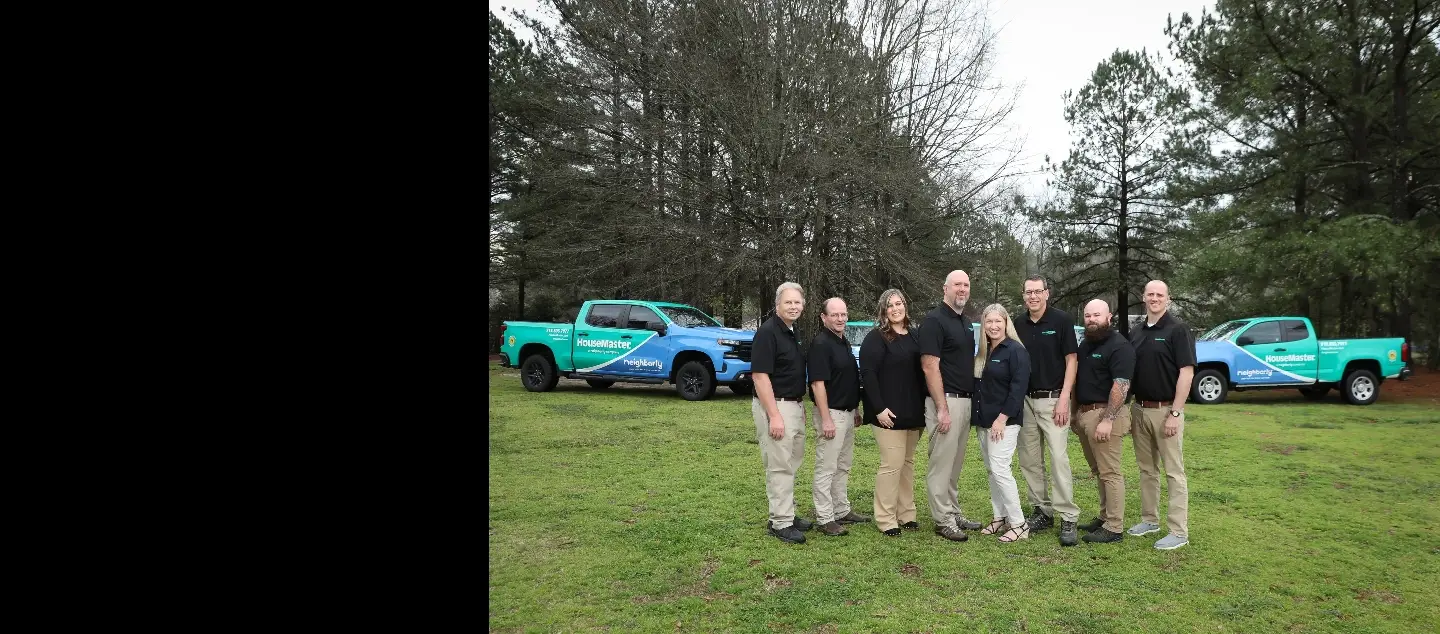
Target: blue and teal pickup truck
x: 1263, y: 353
x: 634, y: 342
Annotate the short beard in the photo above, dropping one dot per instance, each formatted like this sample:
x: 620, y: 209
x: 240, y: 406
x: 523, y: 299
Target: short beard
x: 958, y: 305
x: 1099, y: 333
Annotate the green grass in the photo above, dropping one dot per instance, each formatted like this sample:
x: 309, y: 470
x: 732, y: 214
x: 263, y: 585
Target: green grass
x: 633, y: 510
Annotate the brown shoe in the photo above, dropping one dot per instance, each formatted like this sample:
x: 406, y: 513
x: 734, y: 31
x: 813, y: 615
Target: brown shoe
x: 833, y: 529
x: 951, y: 533
x: 853, y: 518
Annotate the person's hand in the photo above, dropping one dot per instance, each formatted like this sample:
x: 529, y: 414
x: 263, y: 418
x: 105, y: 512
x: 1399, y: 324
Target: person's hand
x: 1102, y: 431
x: 1172, y: 426
x: 1062, y: 412
x: 942, y: 419
x: 886, y: 419
x: 777, y: 427
x: 997, y: 433
x: 827, y: 427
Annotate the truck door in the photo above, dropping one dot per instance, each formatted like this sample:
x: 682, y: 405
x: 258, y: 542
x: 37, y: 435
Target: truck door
x: 649, y: 355
x: 1299, y: 345
x: 1276, y: 366
x: 597, y: 339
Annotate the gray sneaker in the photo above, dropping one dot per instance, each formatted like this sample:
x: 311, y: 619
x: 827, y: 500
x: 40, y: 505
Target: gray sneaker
x: 967, y: 524
x: 1171, y: 542
x: 1143, y: 528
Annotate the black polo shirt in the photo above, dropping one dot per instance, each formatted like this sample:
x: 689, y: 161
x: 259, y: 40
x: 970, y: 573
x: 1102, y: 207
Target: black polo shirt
x: 1047, y: 341
x: 776, y: 352
x: 830, y: 361
x: 1100, y: 364
x: 1003, y: 383
x: 949, y: 335
x: 1160, y: 351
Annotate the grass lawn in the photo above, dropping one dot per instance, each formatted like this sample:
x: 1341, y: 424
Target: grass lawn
x: 633, y: 510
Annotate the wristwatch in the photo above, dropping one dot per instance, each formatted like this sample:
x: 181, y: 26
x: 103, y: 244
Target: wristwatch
x: 1176, y: 412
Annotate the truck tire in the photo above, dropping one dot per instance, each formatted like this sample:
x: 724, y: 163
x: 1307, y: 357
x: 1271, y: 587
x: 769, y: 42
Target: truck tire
x: 538, y: 374
x: 694, y: 381
x: 743, y: 389
x: 1210, y: 388
x: 1315, y: 393
x: 1360, y: 387
x: 599, y: 384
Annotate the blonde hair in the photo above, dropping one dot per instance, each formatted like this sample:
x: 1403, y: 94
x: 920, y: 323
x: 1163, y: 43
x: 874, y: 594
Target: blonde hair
x: 882, y: 320
x: 984, y: 352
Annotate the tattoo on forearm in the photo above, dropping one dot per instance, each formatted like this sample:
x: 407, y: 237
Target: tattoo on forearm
x: 1117, y: 398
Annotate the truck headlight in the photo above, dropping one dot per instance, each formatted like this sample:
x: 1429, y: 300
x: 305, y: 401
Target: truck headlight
x: 728, y: 342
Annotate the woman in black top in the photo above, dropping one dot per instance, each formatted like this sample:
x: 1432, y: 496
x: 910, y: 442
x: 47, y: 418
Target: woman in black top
x: 1003, y: 367
x: 895, y: 404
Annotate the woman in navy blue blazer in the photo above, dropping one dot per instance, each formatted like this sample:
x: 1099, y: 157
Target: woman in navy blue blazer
x: 1003, y: 367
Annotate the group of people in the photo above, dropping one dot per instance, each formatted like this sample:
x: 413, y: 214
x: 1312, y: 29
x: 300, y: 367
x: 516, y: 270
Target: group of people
x: 1020, y: 388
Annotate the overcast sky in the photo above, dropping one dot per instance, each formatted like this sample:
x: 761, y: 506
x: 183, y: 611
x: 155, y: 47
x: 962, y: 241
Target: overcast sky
x: 1048, y: 46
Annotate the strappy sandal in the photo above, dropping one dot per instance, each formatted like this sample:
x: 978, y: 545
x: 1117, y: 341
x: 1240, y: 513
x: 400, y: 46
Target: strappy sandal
x: 993, y: 527
x: 1016, y: 533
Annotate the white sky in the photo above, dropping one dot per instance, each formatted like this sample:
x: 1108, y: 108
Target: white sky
x: 1048, y: 46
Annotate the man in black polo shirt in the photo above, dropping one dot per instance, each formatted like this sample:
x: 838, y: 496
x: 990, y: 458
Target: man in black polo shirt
x: 835, y: 390
x: 1106, y: 363
x: 1049, y: 336
x: 1164, y: 365
x: 947, y: 354
x: 778, y: 367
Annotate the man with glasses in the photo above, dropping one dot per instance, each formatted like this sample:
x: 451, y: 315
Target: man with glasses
x: 835, y: 390
x: 1048, y: 334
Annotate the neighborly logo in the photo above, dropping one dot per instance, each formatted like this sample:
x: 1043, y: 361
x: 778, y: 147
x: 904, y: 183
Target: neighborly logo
x: 1392, y: 355
x: 1252, y: 374
x: 653, y: 364
x: 512, y: 340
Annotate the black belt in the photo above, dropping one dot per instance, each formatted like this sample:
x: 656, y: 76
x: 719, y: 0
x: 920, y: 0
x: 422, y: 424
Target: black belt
x: 798, y: 399
x: 1044, y: 394
x: 957, y: 395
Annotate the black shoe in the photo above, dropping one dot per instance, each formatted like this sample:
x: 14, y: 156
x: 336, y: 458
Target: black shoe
x: 911, y: 526
x: 803, y: 524
x: 854, y: 518
x: 1039, y: 521
x: 1102, y: 536
x: 1067, y: 533
x: 894, y: 532
x: 967, y: 524
x: 788, y: 534
x: 1091, y: 525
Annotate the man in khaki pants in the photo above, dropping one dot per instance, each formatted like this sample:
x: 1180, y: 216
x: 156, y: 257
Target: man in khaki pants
x: 835, y: 389
x: 1048, y: 334
x: 1164, y: 365
x: 778, y: 367
x: 947, y: 354
x: 1106, y: 363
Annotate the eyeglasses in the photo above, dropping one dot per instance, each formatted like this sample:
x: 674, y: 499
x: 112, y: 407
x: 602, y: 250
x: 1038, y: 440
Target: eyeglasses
x: 1034, y: 293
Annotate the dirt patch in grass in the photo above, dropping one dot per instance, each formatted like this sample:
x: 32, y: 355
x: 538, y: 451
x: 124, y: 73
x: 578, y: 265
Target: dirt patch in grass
x: 1384, y: 596
x: 910, y: 570
x: 773, y: 581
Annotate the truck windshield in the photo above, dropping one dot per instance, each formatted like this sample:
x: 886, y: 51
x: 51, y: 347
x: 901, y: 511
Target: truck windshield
x: 855, y: 335
x: 687, y: 317
x: 1223, y: 331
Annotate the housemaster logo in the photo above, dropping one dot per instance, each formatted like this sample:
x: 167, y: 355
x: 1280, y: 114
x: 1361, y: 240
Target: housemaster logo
x: 611, y: 343
x: 1288, y: 358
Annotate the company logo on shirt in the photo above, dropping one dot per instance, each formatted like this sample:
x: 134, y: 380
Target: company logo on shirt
x: 1159, y: 338
x: 1095, y: 356
x: 1048, y: 332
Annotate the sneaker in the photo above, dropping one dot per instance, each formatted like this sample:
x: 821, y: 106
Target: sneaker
x: 1142, y: 529
x: 854, y: 518
x: 1171, y: 542
x: 1067, y: 534
x: 833, y: 529
x: 892, y: 532
x: 952, y: 533
x: 911, y: 525
x: 1039, y: 521
x: 967, y: 524
x: 788, y: 534
x: 803, y: 524
x: 1102, y: 536
x: 1091, y: 525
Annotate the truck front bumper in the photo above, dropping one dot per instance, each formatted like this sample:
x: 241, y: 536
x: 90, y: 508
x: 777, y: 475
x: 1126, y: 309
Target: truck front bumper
x: 732, y: 371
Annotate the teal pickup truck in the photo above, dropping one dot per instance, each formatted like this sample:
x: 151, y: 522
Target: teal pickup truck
x: 1263, y: 353
x: 634, y: 342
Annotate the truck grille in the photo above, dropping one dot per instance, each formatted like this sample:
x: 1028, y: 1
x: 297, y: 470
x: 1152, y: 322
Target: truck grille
x: 743, y: 352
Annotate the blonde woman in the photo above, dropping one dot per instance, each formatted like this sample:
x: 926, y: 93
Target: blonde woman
x: 1003, y: 367
x: 895, y: 404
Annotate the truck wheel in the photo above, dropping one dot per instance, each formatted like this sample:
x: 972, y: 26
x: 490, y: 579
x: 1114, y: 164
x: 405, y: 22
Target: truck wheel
x: 599, y: 384
x: 1315, y: 393
x: 743, y: 389
x: 1360, y: 387
x: 1210, y: 388
x: 538, y: 374
x: 694, y: 381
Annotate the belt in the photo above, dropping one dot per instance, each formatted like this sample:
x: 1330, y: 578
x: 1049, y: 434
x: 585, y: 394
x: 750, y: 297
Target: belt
x: 798, y: 399
x: 1154, y: 404
x: 958, y: 395
x: 1044, y: 394
x: 1085, y: 407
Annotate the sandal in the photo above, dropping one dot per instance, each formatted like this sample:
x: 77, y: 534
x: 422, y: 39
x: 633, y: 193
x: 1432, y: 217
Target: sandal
x: 993, y: 527
x: 1016, y: 533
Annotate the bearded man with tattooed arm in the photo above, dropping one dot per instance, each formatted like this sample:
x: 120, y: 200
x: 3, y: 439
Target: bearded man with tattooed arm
x: 1102, y: 380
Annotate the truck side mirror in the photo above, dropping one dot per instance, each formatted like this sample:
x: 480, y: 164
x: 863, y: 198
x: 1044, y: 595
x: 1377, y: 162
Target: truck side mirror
x: 1244, y: 340
x: 658, y: 328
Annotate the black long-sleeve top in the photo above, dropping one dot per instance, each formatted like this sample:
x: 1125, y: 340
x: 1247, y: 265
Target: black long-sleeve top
x: 1003, y: 384
x: 893, y: 379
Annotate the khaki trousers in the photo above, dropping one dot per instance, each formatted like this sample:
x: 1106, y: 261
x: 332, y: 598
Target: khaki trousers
x: 1152, y: 447
x: 781, y: 458
x: 895, y: 482
x: 833, y: 457
x: 1104, y: 461
x: 1037, y: 434
x: 946, y: 459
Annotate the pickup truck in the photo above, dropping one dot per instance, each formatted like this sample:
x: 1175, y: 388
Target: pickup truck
x: 1283, y: 352
x: 634, y: 342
